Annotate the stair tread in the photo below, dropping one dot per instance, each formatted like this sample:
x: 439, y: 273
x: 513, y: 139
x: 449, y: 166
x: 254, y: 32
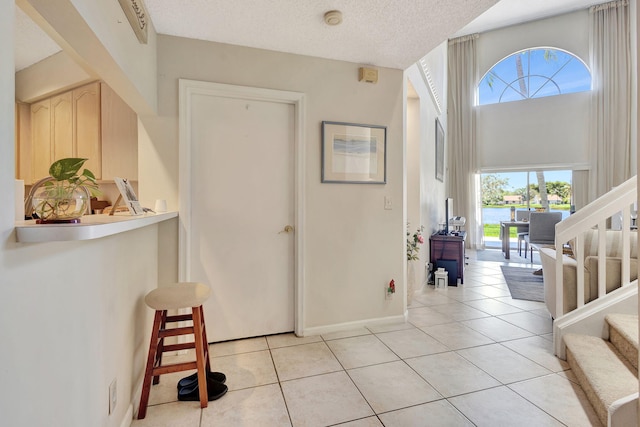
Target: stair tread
x: 626, y: 325
x: 609, y: 376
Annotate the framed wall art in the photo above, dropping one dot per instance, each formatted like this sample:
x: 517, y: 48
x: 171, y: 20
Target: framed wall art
x: 353, y: 153
x: 439, y: 151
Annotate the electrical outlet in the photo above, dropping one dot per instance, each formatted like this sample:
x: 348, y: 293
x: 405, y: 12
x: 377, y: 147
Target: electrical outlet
x: 113, y: 395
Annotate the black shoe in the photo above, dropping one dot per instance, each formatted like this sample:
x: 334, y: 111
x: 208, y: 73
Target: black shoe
x: 193, y: 379
x: 215, y: 390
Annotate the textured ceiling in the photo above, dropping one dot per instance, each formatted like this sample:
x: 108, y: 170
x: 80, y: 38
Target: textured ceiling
x: 389, y: 33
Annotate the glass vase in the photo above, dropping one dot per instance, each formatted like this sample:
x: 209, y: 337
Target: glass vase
x: 60, y: 203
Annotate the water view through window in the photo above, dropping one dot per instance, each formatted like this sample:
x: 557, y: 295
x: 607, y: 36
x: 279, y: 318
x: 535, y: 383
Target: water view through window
x: 522, y: 191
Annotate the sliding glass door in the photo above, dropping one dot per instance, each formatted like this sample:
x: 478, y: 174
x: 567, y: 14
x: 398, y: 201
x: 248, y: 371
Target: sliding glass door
x: 524, y: 190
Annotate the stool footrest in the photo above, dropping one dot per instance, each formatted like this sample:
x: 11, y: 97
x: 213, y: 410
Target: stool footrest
x: 175, y: 332
x: 176, y: 367
x: 178, y: 347
x: 179, y: 318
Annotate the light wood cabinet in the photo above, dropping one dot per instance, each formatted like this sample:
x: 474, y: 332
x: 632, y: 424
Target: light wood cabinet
x: 61, y: 126
x: 41, y: 147
x: 23, y: 133
x: 86, y: 127
x: 89, y: 122
x: 62, y: 118
x: 119, y: 137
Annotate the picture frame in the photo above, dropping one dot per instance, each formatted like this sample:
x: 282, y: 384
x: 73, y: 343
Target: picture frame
x: 439, y: 151
x: 128, y: 196
x: 353, y: 153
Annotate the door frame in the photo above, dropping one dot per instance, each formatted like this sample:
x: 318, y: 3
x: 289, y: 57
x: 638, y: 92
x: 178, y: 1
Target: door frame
x: 187, y: 90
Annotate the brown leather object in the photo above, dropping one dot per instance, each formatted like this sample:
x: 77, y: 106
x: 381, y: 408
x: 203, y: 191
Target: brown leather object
x: 99, y: 204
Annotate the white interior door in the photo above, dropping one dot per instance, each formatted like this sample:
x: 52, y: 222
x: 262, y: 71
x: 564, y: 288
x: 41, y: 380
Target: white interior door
x: 242, y: 198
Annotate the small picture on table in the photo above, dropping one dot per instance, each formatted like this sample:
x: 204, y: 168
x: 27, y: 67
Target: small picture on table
x: 128, y: 196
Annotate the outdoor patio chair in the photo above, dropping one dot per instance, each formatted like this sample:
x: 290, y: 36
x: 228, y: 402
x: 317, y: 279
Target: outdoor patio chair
x: 522, y: 215
x: 542, y: 229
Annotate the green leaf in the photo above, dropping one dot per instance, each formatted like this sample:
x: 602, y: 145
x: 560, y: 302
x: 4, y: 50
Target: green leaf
x: 89, y: 174
x: 65, y: 173
x: 67, y: 168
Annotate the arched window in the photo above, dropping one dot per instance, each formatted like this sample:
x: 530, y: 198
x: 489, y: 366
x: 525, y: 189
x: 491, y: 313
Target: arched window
x: 534, y: 73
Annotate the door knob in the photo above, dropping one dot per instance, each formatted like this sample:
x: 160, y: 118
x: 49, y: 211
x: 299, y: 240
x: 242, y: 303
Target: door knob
x: 287, y: 229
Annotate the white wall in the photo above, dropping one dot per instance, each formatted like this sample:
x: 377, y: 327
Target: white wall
x: 72, y: 313
x: 412, y: 167
x: 74, y: 319
x: 546, y: 132
x: 569, y: 32
x: 413, y: 160
x: 429, y: 193
x: 353, y: 246
x: 7, y: 130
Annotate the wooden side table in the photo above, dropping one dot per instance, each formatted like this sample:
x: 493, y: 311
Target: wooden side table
x: 447, y: 250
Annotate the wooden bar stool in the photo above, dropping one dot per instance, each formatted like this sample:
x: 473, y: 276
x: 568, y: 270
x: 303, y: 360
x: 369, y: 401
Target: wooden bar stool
x: 173, y: 297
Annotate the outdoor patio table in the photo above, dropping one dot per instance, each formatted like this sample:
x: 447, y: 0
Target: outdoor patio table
x: 505, y: 227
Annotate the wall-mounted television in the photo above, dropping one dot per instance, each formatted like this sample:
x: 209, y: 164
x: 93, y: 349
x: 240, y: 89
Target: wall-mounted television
x: 448, y: 213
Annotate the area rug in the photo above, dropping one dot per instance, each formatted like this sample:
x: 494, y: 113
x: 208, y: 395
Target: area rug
x: 523, y: 284
x: 495, y: 255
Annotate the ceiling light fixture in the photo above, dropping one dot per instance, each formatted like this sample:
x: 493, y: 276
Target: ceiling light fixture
x: 333, y: 17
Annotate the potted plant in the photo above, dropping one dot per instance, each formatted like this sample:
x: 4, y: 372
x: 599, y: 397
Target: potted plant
x: 64, y: 196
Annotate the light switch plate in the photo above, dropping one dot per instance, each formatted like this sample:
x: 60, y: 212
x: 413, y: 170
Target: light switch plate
x: 388, y: 203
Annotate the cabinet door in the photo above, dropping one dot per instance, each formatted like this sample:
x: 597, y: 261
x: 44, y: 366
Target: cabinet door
x: 119, y: 137
x: 41, y: 152
x: 62, y: 126
x: 23, y: 142
x: 86, y: 101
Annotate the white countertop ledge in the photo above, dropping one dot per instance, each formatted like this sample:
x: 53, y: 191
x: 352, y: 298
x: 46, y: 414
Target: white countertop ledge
x: 90, y: 227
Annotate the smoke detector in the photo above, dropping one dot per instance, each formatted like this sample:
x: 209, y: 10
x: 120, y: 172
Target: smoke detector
x: 333, y: 17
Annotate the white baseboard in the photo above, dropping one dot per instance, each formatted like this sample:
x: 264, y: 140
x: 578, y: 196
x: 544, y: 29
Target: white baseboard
x: 128, y: 417
x: 339, y: 327
x: 133, y: 405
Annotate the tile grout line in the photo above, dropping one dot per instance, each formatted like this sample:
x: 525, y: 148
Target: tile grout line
x: 349, y: 376
x: 284, y: 398
x: 541, y: 409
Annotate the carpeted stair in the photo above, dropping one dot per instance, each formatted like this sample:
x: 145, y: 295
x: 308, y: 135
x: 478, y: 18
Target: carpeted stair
x: 606, y: 370
x: 623, y: 334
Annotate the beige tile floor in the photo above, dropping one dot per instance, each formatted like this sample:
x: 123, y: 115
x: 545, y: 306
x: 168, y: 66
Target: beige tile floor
x: 468, y: 355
